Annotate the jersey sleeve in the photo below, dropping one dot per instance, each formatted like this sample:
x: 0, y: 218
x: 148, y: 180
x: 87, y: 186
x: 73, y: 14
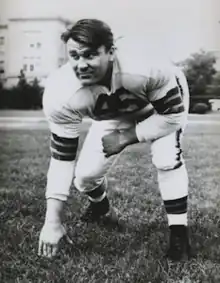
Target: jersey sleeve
x: 166, y: 94
x: 164, y: 91
x: 62, y: 120
x: 64, y: 126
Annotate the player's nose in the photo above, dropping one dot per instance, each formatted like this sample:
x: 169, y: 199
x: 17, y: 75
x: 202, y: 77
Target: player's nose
x: 82, y: 65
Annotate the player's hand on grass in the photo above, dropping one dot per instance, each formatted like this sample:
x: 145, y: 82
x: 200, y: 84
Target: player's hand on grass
x: 50, y: 236
x: 113, y: 143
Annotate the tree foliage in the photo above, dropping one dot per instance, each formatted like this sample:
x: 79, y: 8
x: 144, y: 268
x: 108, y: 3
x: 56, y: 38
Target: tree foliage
x: 200, y: 71
x: 24, y: 95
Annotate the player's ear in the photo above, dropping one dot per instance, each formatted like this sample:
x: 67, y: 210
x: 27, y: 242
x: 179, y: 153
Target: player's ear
x: 112, y: 53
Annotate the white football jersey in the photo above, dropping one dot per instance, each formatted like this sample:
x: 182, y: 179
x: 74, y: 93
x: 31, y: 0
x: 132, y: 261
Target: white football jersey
x: 140, y: 86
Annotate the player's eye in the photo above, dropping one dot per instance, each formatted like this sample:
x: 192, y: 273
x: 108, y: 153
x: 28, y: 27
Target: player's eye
x: 90, y: 55
x: 74, y: 55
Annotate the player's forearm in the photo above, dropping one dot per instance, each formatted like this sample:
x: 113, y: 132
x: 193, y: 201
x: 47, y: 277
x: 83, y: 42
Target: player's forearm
x: 59, y: 179
x: 54, y: 211
x: 158, y: 126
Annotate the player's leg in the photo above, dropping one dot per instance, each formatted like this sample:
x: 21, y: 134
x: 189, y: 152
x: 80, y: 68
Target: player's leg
x: 173, y: 181
x: 173, y: 185
x: 92, y: 167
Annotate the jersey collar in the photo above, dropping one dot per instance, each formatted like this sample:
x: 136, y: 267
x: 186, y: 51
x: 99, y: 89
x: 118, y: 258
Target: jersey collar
x: 116, y: 79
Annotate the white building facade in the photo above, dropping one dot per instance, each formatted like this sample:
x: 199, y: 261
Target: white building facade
x: 32, y: 45
x: 30, y: 30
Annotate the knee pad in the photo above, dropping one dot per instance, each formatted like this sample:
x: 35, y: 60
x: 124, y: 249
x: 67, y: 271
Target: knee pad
x: 87, y: 183
x: 165, y: 162
x: 167, y: 152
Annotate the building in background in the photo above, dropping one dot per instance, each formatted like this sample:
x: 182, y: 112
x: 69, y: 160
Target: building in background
x: 3, y: 50
x: 30, y: 30
x: 32, y: 45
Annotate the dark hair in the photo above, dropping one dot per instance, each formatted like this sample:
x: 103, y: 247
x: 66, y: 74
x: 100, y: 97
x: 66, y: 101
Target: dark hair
x: 90, y: 32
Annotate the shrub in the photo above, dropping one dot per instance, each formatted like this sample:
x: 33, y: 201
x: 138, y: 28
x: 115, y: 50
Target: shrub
x: 214, y: 87
x: 22, y: 96
x: 200, y: 73
x: 200, y: 108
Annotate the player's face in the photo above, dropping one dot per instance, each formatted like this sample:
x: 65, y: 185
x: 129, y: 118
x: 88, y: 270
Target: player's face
x: 90, y: 66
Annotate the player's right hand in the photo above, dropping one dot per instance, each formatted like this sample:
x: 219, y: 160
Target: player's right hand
x: 50, y: 236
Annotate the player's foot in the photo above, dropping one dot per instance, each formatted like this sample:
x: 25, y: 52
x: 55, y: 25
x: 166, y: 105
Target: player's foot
x: 179, y: 243
x: 97, y: 211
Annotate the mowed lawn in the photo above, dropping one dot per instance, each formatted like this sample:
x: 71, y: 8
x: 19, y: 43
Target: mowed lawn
x: 132, y: 254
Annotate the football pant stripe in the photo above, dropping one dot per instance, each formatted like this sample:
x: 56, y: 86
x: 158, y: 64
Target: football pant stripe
x: 178, y: 145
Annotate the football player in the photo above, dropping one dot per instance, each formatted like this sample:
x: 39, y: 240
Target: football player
x: 132, y: 98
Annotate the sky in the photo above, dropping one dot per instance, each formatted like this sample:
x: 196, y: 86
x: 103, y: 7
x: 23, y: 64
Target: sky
x: 180, y: 27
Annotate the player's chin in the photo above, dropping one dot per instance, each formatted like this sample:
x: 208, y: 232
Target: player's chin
x: 88, y: 81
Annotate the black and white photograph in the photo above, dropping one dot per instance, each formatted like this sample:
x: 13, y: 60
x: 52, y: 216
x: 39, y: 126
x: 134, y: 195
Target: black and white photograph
x: 109, y: 141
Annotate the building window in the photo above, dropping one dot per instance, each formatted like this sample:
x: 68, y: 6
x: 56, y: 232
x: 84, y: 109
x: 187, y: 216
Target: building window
x: 25, y: 67
x: 38, y: 45
x: 32, y: 45
x: 31, y: 67
x: 2, y: 40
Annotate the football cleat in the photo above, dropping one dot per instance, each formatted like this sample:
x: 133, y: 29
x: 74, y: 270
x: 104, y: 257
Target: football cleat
x: 100, y: 211
x: 179, y: 246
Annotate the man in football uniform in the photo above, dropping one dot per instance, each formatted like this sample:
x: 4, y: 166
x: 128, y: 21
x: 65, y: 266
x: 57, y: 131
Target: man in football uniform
x: 131, y: 98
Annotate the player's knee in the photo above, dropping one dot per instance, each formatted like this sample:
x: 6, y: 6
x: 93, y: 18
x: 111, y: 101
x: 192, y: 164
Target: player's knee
x: 84, y: 182
x: 165, y: 163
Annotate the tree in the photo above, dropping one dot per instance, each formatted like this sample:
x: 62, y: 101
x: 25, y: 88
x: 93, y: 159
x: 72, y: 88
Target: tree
x: 36, y: 92
x: 22, y: 82
x: 199, y: 70
x: 24, y: 95
x: 214, y: 88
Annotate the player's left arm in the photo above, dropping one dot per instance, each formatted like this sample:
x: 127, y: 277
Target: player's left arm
x: 166, y: 96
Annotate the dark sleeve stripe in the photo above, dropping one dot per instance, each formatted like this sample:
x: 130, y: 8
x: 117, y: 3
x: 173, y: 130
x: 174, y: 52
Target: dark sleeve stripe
x: 63, y: 148
x: 174, y: 110
x: 174, y: 102
x: 63, y: 157
x: 63, y: 144
x: 64, y: 140
x: 172, y: 92
x: 170, y: 104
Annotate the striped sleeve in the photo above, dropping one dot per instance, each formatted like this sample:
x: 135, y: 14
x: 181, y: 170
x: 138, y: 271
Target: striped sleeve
x: 167, y: 98
x: 63, y: 148
x: 171, y: 103
x: 64, y: 126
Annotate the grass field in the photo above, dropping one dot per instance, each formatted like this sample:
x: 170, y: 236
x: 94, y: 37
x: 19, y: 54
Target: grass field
x: 102, y: 255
